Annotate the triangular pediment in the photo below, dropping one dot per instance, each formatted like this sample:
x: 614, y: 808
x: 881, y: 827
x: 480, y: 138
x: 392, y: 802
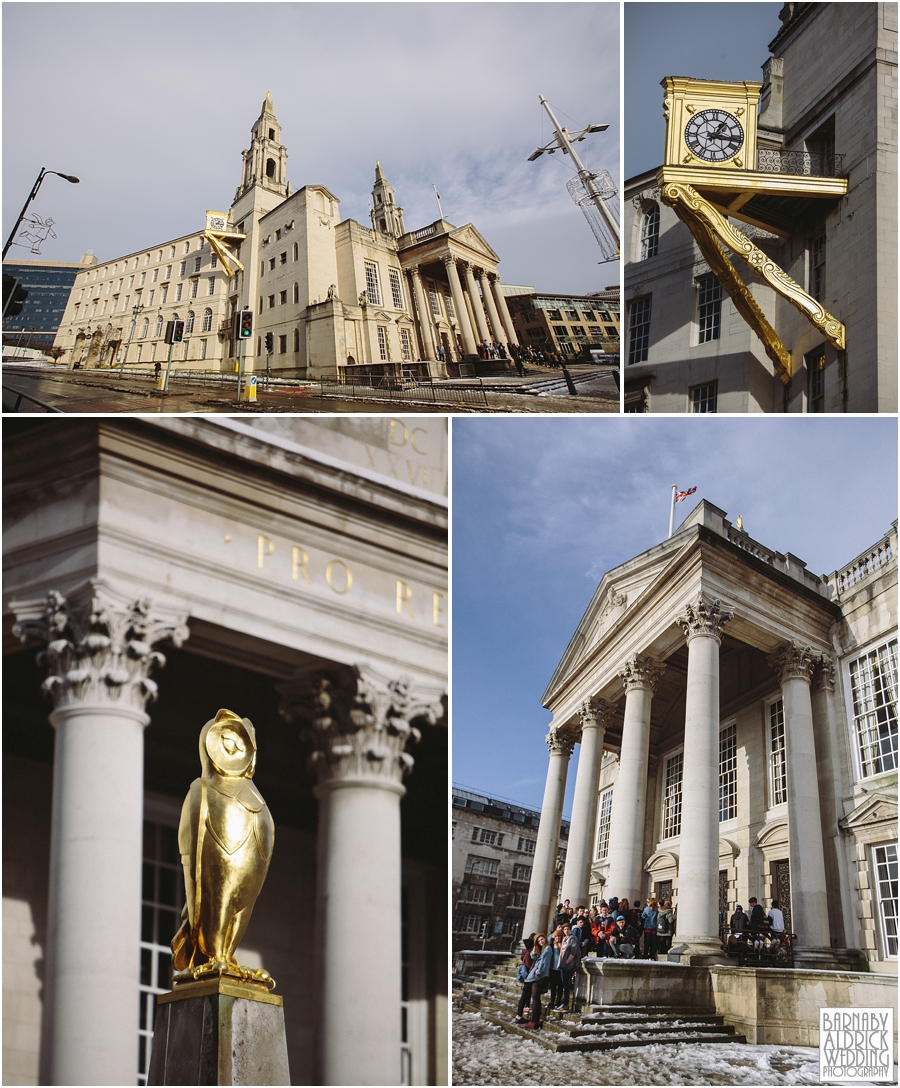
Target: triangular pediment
x: 469, y: 237
x: 875, y: 809
x: 616, y: 596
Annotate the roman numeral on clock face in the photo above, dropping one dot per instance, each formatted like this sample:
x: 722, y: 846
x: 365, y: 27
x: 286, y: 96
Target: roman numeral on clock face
x: 714, y: 135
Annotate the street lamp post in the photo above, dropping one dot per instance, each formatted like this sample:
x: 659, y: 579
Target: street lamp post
x: 136, y: 311
x: 31, y: 196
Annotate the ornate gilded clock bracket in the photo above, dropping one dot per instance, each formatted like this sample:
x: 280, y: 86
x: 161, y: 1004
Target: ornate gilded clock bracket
x: 745, y: 304
x: 215, y: 234
x: 712, y: 224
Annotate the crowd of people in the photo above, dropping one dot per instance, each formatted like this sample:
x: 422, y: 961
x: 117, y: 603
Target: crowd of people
x: 613, y: 929
x: 616, y: 929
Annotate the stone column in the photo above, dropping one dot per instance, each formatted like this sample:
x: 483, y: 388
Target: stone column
x: 477, y: 308
x: 358, y: 724
x: 626, y: 833
x: 499, y: 332
x: 422, y: 313
x: 829, y: 748
x: 503, y: 310
x: 594, y: 716
x: 698, y: 866
x: 543, y: 869
x: 794, y: 665
x: 99, y: 658
x: 459, y: 303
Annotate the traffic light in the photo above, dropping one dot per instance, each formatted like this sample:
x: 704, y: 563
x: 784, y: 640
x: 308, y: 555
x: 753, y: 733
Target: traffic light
x: 177, y: 332
x: 270, y: 342
x: 14, y: 295
x: 245, y: 328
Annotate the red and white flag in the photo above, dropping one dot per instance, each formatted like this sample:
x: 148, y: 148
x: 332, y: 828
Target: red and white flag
x: 684, y: 494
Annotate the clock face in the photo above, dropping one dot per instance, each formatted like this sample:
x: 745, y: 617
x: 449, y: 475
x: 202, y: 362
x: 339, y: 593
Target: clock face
x: 714, y: 135
x: 216, y: 222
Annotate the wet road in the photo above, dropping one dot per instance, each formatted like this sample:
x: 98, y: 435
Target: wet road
x: 97, y: 393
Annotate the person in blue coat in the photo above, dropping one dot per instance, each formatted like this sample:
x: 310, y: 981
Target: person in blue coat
x: 536, y: 982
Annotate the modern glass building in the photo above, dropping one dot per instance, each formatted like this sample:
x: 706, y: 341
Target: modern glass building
x: 48, y: 284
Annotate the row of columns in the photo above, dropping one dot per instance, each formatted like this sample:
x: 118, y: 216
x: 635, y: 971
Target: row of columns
x: 483, y: 313
x: 703, y: 623
x: 100, y: 658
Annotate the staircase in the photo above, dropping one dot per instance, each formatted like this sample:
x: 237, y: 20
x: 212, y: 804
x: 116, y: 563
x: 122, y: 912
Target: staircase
x: 494, y: 994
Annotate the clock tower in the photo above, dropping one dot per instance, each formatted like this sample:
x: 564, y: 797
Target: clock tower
x: 710, y: 122
x: 265, y: 162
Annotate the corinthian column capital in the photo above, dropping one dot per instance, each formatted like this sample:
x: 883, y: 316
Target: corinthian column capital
x: 560, y: 742
x: 793, y: 661
x: 357, y: 723
x: 703, y: 618
x: 99, y: 644
x: 641, y: 671
x: 826, y: 672
x: 595, y: 712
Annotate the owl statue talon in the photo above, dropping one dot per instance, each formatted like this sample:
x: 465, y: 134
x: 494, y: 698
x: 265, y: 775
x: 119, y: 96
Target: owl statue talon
x: 225, y: 838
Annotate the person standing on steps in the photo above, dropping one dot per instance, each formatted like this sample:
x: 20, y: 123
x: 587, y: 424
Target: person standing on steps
x: 537, y: 981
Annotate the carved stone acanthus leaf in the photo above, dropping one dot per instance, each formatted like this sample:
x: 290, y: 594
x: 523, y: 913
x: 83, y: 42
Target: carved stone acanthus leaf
x: 703, y: 618
x: 793, y: 661
x: 641, y: 671
x: 99, y: 644
x: 595, y: 712
x: 358, y: 723
x: 645, y: 194
x: 826, y: 672
x: 560, y: 742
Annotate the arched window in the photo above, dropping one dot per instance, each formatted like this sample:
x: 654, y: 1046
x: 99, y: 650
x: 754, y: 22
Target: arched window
x: 650, y: 232
x: 270, y: 168
x: 189, y: 327
x: 296, y: 339
x: 296, y: 292
x: 207, y: 319
x: 296, y: 253
x: 145, y: 327
x: 159, y: 326
x: 260, y: 303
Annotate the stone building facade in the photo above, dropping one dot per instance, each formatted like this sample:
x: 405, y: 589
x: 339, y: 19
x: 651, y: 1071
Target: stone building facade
x: 737, y: 717
x: 333, y: 294
x: 828, y: 106
x: 567, y: 325
x: 244, y: 564
x: 493, y: 849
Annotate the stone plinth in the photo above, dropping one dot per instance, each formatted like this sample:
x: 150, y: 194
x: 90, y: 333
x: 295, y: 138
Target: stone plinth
x: 219, y: 1032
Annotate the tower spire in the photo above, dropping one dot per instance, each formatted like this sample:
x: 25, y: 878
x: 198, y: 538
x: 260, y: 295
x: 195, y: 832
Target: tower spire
x: 265, y: 162
x: 386, y: 216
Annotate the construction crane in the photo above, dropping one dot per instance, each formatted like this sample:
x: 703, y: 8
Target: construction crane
x: 592, y: 190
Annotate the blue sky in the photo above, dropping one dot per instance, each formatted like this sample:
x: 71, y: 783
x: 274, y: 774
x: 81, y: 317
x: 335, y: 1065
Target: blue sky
x: 705, y: 40
x: 542, y: 508
x: 150, y: 105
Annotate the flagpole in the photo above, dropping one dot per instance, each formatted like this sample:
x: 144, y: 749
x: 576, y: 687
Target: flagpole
x: 672, y: 511
x: 437, y: 197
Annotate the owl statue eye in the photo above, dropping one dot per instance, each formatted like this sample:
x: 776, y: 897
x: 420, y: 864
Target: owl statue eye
x: 231, y: 743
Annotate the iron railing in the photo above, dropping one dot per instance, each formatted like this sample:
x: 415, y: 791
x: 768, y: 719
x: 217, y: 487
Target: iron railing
x: 811, y: 164
x: 20, y: 396
x: 400, y: 390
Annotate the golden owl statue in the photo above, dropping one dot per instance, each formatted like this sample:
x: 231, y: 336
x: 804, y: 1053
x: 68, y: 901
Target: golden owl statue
x: 225, y: 838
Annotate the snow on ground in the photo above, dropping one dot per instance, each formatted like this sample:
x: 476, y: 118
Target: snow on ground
x: 484, y: 1053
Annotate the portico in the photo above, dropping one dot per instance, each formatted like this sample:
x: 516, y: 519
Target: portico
x: 697, y: 657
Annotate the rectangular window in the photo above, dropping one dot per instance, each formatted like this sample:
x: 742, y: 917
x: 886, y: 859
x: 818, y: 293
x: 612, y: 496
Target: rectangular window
x: 194, y: 284
x: 710, y: 312
x: 131, y: 281
x: 178, y: 289
x: 163, y: 294
x: 282, y: 345
x: 213, y: 261
x: 143, y: 278
x: 777, y: 764
x: 433, y: 298
x: 162, y: 896
x: 168, y: 273
x: 183, y: 269
x: 211, y: 285
x: 149, y: 298
x: 396, y: 288
x: 578, y: 330
x: 728, y: 773
x: 873, y: 682
x: 372, y: 293
x: 405, y: 345
x: 704, y: 397
x: 672, y: 797
x: 603, y: 828
x: 526, y: 846
x: 572, y: 315
x: 471, y: 923
x: 639, y: 330
x: 282, y: 298
x: 517, y: 900
x: 103, y: 310
x: 476, y: 893
x: 271, y: 302
x: 283, y: 257
x: 155, y: 276
x: 815, y: 380
x: 886, y: 883
x: 203, y: 344
x: 271, y: 264
x: 817, y: 268
x: 482, y: 866
x: 484, y: 834
x: 382, y: 342
x: 521, y: 872
x: 197, y: 261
